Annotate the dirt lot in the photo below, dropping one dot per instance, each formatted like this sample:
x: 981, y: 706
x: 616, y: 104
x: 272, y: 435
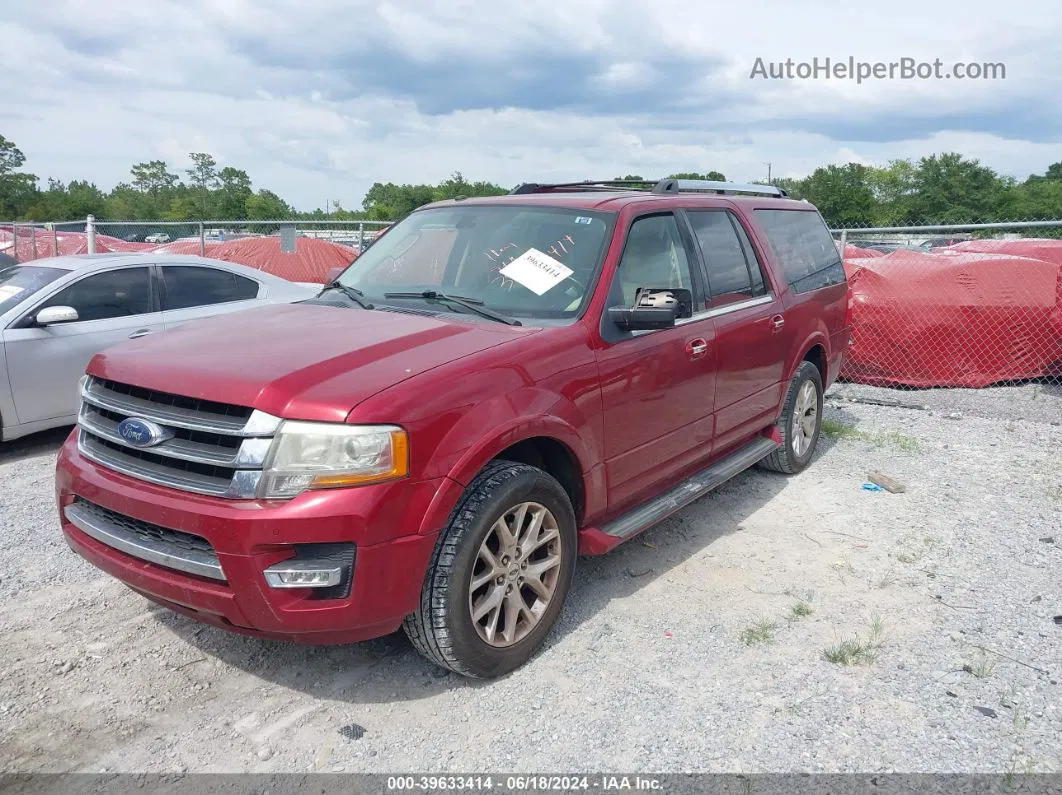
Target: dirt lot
x: 780, y: 624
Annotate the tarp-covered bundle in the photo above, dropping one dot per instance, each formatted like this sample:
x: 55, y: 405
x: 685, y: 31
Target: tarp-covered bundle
x: 310, y: 262
x: 955, y: 317
x: 33, y: 244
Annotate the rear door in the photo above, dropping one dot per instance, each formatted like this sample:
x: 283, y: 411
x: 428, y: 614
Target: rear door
x: 194, y: 291
x: 816, y: 294
x: 751, y: 344
x: 44, y: 364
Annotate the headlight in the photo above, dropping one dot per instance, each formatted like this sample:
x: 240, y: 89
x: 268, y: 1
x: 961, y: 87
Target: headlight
x: 312, y: 455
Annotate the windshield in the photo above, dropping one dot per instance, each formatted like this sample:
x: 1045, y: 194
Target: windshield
x: 523, y: 262
x: 18, y: 282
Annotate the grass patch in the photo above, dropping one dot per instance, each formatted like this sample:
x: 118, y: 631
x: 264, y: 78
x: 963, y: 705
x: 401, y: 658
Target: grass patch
x: 858, y: 651
x: 894, y: 439
x: 760, y: 632
x: 983, y: 667
x: 800, y: 610
x: 913, y: 549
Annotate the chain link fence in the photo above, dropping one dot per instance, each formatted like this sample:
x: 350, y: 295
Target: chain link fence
x: 961, y: 305
x: 25, y: 241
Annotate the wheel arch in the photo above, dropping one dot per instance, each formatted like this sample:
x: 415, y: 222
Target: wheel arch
x: 548, y: 443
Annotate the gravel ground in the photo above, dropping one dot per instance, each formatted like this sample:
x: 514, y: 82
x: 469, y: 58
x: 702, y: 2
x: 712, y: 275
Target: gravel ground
x: 700, y: 646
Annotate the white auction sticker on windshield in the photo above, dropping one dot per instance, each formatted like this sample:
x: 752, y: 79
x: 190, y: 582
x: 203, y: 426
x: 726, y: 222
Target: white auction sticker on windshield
x: 9, y: 290
x: 536, y: 271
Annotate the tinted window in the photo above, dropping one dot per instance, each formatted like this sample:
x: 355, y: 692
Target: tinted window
x: 724, y: 256
x: 653, y: 256
x: 804, y: 248
x: 117, y: 293
x: 188, y: 286
x: 19, y: 282
x: 755, y: 268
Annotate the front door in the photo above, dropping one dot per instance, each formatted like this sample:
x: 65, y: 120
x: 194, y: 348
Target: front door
x: 44, y: 364
x: 656, y: 386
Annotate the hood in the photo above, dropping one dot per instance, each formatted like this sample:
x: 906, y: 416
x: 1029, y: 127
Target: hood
x: 297, y: 361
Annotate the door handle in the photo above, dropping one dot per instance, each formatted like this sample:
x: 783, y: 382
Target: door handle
x: 777, y: 322
x: 695, y: 349
x: 140, y: 333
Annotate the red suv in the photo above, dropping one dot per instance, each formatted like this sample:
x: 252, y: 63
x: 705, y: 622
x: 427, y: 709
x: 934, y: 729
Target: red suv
x: 494, y: 387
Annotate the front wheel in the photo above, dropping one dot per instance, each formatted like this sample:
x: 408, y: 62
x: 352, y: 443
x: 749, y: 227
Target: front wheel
x: 800, y: 424
x: 500, y: 573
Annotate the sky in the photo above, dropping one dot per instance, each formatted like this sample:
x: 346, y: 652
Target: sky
x: 318, y: 99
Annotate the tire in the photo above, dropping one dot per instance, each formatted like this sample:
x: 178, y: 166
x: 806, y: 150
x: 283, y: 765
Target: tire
x: 443, y: 628
x: 793, y: 456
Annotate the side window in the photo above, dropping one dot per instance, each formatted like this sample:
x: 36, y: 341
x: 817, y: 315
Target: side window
x: 726, y: 261
x: 804, y: 248
x: 117, y: 293
x: 653, y: 256
x: 755, y: 266
x: 185, y: 286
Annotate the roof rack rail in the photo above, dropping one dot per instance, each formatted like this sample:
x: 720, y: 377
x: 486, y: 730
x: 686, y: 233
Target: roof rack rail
x: 588, y: 184
x: 653, y: 186
x: 715, y: 186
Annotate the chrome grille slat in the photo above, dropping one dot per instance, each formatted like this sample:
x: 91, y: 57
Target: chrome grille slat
x: 170, y: 548
x: 90, y: 447
x: 248, y: 455
x: 218, y: 451
x: 175, y: 417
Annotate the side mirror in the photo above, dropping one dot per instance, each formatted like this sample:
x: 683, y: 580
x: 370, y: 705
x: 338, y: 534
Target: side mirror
x: 653, y: 309
x: 53, y: 315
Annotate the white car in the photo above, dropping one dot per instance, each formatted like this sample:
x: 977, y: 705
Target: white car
x: 57, y: 313
x: 158, y: 237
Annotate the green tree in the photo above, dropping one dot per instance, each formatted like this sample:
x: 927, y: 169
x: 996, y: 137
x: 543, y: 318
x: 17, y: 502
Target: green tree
x: 153, y: 178
x: 388, y: 201
x: 266, y: 206
x: 203, y: 179
x: 232, y: 194
x: 17, y: 189
x: 894, y: 190
x: 949, y: 188
x: 714, y: 176
x: 843, y: 194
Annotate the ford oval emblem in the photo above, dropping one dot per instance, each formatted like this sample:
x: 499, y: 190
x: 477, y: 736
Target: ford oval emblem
x: 142, y: 433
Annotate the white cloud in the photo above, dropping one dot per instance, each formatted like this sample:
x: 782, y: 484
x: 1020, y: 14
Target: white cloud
x: 318, y: 100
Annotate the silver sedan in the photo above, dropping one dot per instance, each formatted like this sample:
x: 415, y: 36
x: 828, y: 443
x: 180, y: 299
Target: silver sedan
x: 56, y: 313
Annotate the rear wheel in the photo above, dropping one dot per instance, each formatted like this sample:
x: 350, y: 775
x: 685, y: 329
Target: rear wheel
x: 800, y: 424
x: 500, y: 573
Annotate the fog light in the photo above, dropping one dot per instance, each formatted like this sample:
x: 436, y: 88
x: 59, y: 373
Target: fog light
x: 303, y: 574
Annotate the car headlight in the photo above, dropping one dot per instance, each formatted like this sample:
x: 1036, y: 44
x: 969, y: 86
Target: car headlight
x: 313, y: 455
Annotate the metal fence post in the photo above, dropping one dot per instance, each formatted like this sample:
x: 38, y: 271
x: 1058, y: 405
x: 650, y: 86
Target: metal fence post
x: 33, y: 241
x: 55, y: 241
x: 844, y: 241
x: 90, y: 231
x: 202, y: 240
x: 14, y: 240
x: 361, y: 236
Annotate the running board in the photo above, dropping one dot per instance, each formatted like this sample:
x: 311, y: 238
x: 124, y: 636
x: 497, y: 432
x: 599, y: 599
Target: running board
x: 689, y: 490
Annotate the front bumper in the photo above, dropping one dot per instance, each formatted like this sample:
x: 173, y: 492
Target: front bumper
x: 382, y: 521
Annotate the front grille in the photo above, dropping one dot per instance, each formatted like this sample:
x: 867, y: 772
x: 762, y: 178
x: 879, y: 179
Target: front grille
x: 172, y: 549
x: 208, y: 448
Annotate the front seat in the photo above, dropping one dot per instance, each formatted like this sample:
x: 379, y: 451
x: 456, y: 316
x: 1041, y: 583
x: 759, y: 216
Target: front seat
x: 646, y: 262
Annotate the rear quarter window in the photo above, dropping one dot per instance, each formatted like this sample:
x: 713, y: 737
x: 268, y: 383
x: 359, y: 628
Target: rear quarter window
x: 803, y: 247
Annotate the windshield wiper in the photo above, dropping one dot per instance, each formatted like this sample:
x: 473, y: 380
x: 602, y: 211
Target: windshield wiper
x: 357, y: 296
x: 471, y: 304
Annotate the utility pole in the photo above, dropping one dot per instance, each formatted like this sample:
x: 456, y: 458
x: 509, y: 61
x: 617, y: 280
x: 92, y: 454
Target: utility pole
x: 768, y: 172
